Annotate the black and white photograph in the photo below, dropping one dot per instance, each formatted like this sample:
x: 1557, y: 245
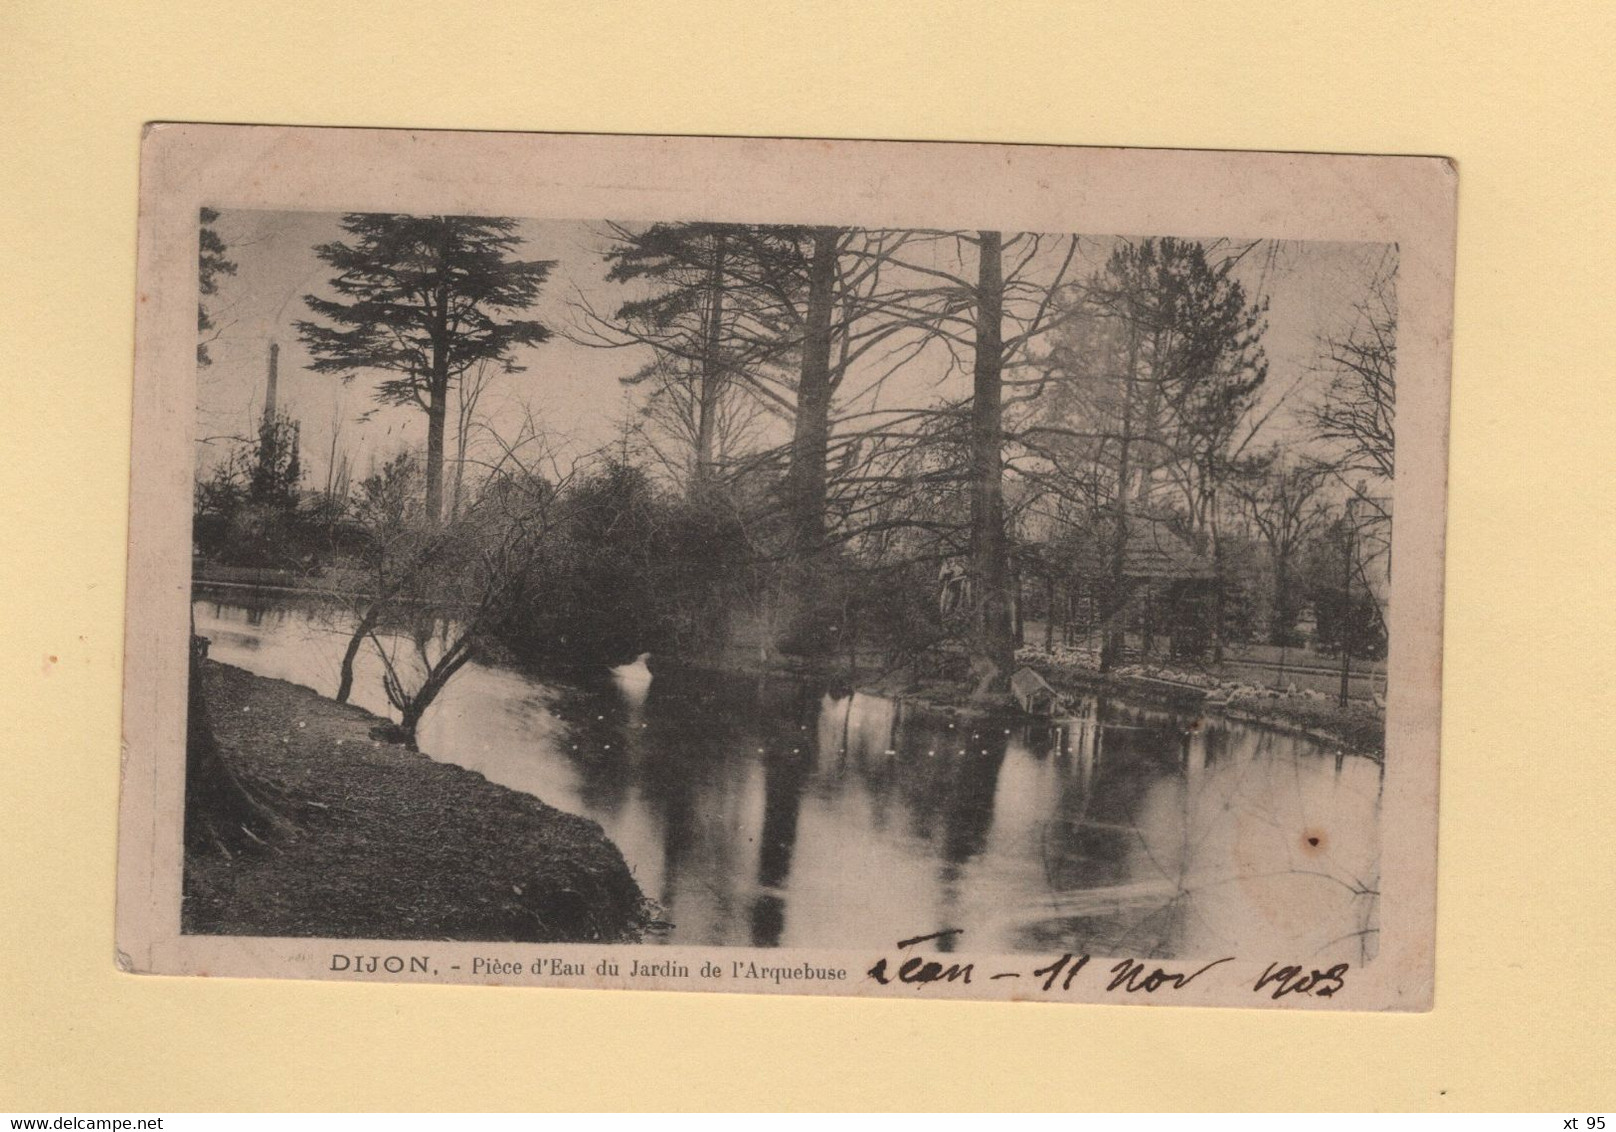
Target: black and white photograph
x: 700, y: 599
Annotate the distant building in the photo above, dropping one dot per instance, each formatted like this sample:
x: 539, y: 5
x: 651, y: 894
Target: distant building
x: 1167, y: 601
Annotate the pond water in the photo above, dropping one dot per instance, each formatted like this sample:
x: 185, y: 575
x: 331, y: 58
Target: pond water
x: 764, y: 812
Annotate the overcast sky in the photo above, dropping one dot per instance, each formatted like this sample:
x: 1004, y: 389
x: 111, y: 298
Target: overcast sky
x: 574, y: 390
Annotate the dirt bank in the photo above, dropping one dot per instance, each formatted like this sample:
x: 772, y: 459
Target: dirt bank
x: 384, y: 843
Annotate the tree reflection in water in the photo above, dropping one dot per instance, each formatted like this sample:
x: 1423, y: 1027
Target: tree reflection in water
x: 768, y: 811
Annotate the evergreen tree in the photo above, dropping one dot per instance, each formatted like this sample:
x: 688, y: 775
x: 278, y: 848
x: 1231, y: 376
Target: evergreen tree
x: 212, y: 262
x: 718, y: 312
x: 423, y: 299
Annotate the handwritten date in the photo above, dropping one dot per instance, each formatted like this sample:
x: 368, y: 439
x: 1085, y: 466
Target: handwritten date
x: 917, y: 969
x: 1296, y: 980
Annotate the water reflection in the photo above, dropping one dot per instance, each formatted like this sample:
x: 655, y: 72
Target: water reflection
x: 768, y: 812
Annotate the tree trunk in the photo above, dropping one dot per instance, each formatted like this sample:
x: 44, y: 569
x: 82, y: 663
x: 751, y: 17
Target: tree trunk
x: 220, y: 812
x: 1147, y: 641
x: 355, y: 642
x: 1348, y: 555
x: 709, y: 396
x: 811, y: 434
x: 1112, y: 638
x: 1282, y: 621
x: 414, y: 707
x: 1017, y: 603
x: 1219, y: 587
x: 459, y: 469
x: 437, y: 409
x: 410, y: 721
x: 815, y: 619
x: 1049, y: 612
x: 993, y: 643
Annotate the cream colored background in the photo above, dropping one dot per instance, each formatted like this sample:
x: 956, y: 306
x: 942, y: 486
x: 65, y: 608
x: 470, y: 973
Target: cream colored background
x: 1520, y: 95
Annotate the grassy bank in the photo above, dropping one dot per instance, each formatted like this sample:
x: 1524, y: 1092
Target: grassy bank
x: 382, y: 842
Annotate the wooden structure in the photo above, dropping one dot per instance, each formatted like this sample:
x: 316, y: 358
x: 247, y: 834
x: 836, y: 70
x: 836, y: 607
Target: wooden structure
x: 1167, y: 592
x: 1033, y: 693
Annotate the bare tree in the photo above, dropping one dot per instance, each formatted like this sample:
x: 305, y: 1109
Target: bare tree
x: 452, y: 582
x: 980, y: 298
x: 398, y: 546
x: 468, y: 394
x: 1283, y: 501
x: 1357, y: 411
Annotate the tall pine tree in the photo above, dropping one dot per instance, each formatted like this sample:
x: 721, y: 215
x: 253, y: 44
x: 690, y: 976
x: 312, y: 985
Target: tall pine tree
x: 423, y: 299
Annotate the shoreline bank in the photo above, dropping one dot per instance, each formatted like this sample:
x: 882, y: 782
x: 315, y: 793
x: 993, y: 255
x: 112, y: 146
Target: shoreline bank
x: 388, y: 843
x: 1359, y: 729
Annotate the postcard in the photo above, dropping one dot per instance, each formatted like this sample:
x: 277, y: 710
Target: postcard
x: 905, y: 569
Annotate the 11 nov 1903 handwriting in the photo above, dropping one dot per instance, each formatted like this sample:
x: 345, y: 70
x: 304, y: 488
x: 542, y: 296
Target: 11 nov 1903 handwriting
x: 1128, y: 976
